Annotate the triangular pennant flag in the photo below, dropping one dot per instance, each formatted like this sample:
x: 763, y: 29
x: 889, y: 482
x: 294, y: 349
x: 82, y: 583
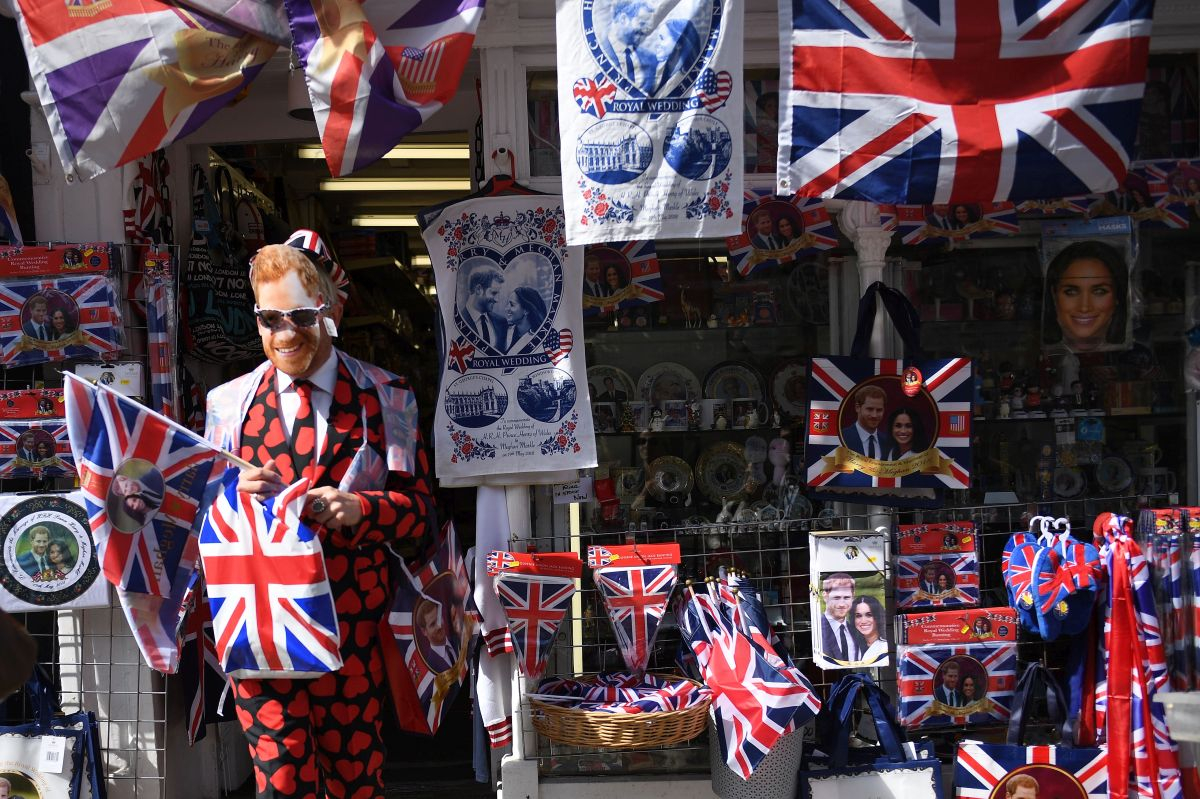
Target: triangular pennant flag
x: 534, y: 605
x: 635, y: 598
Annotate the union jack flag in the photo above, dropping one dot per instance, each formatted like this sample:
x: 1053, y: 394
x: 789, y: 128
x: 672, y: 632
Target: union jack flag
x: 204, y: 681
x: 981, y: 770
x: 1166, y: 208
x: 593, y: 95
x: 713, y: 89
x: 948, y: 390
x: 10, y: 231
x: 377, y: 71
x: 635, y: 598
x: 962, y: 590
x: 131, y: 76
x: 620, y: 692
x: 443, y: 582
x: 91, y: 318
x: 645, y: 279
x: 145, y: 480
x: 919, y: 670
x: 599, y: 556
x: 272, y: 607
x: 558, y: 344
x: 812, y: 230
x: 535, y: 605
x: 911, y: 101
x: 753, y: 703
x: 14, y: 460
x: 924, y: 224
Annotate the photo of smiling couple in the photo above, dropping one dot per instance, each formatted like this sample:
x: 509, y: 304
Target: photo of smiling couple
x: 852, y: 621
x: 882, y: 433
x: 506, y: 308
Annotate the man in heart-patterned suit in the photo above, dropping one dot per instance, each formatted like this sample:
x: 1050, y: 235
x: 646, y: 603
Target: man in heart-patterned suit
x: 351, y: 428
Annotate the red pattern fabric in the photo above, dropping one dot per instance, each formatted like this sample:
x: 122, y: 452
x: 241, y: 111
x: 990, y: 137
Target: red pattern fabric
x: 312, y: 738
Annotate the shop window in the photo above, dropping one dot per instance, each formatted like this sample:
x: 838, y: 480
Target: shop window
x: 761, y: 120
x: 542, y: 98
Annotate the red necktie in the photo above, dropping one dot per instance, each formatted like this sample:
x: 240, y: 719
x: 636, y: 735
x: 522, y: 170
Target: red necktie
x: 304, y: 431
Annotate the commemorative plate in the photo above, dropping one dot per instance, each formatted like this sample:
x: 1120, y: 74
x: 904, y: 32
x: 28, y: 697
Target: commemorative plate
x: 733, y: 379
x: 610, y: 384
x: 721, y: 472
x: 789, y: 387
x: 670, y: 479
x: 667, y: 381
x: 1114, y: 474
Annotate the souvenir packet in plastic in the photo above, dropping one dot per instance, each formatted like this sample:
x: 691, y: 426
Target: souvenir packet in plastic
x: 937, y: 566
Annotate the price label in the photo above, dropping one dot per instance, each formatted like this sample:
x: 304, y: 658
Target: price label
x: 54, y: 752
x: 575, y: 491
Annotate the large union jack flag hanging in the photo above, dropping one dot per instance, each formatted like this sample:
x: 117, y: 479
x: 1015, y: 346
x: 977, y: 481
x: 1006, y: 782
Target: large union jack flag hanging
x: 921, y: 101
x: 119, y: 79
x: 982, y: 771
x: 377, y: 70
x: 272, y: 607
x: 940, y: 407
x: 535, y: 605
x: 146, y: 481
x: 89, y: 320
x: 433, y: 622
x: 635, y: 598
x: 931, y: 698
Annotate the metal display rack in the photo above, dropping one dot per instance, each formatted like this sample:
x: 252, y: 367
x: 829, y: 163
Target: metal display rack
x: 776, y: 556
x: 91, y: 653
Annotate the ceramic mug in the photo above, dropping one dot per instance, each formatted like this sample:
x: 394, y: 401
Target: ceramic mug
x: 748, y: 413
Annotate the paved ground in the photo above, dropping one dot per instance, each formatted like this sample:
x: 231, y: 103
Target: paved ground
x: 414, y: 784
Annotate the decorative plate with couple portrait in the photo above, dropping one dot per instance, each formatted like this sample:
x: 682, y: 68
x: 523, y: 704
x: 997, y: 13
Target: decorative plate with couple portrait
x: 46, y: 555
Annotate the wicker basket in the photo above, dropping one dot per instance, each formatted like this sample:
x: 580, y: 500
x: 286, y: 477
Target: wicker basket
x: 593, y: 729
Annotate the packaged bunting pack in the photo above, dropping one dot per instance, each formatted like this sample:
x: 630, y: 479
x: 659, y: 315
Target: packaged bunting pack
x: 35, y: 449
x: 937, y: 566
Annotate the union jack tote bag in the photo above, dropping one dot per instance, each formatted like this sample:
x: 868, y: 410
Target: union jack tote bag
x: 887, y: 428
x: 272, y: 607
x: 983, y: 770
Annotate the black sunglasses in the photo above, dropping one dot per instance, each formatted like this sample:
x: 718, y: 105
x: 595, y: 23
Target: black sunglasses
x: 272, y: 319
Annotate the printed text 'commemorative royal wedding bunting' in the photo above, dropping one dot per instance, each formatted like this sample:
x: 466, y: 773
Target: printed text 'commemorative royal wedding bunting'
x: 650, y: 116
x: 513, y: 397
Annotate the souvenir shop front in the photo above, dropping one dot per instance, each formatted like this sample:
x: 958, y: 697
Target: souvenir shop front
x: 725, y: 470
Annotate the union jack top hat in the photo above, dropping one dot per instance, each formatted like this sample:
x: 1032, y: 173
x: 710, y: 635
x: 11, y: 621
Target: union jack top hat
x: 311, y: 244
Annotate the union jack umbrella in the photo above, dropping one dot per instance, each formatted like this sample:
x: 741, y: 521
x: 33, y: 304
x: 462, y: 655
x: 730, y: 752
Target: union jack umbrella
x: 989, y: 220
x: 635, y: 598
x: 962, y: 593
x: 535, y: 605
x: 272, y: 607
x: 753, y: 703
x: 947, y: 386
x: 376, y: 71
x: 906, y: 101
x: 812, y: 230
x: 981, y: 769
x: 204, y: 681
x: 13, y: 463
x: 443, y: 582
x: 160, y: 333
x: 92, y: 332
x: 645, y: 279
x: 146, y: 481
x: 922, y: 705
x: 119, y: 79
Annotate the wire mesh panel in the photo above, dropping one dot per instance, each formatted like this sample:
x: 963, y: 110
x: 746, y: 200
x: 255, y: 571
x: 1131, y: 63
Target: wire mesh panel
x: 775, y: 554
x: 90, y: 653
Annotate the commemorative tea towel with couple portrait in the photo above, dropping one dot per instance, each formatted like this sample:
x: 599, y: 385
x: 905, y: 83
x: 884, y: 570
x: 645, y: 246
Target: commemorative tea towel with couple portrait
x: 513, y: 405
x: 650, y: 118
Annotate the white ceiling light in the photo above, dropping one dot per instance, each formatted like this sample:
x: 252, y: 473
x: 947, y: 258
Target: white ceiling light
x: 429, y: 150
x: 396, y: 184
x: 384, y: 220
x: 421, y: 260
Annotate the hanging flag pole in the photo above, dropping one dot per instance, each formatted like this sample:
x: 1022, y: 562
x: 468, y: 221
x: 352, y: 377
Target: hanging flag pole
x: 240, y: 462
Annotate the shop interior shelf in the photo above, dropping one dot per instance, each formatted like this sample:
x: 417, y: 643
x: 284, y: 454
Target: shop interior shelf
x: 663, y: 335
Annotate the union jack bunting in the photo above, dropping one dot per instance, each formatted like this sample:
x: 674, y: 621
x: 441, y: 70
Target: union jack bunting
x: 88, y: 310
x: 915, y: 591
x: 798, y: 225
x: 907, y: 101
x: 753, y: 703
x: 982, y: 770
x: 35, y: 449
x: 146, y: 481
x: 635, y: 598
x: 272, y: 608
x: 535, y: 605
x: 922, y: 224
x: 431, y: 603
x: 10, y: 231
x: 835, y: 457
x: 1163, y: 187
x: 120, y: 79
x: 160, y: 332
x: 621, y: 692
x: 204, y: 681
x: 927, y: 698
x: 636, y: 263
x: 1063, y: 206
x: 376, y: 70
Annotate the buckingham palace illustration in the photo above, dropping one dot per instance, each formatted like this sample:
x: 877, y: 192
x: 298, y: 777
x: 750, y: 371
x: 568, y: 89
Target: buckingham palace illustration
x: 615, y: 161
x: 485, y: 403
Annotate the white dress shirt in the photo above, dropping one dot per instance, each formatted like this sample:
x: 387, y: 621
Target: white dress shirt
x: 863, y: 435
x: 324, y: 381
